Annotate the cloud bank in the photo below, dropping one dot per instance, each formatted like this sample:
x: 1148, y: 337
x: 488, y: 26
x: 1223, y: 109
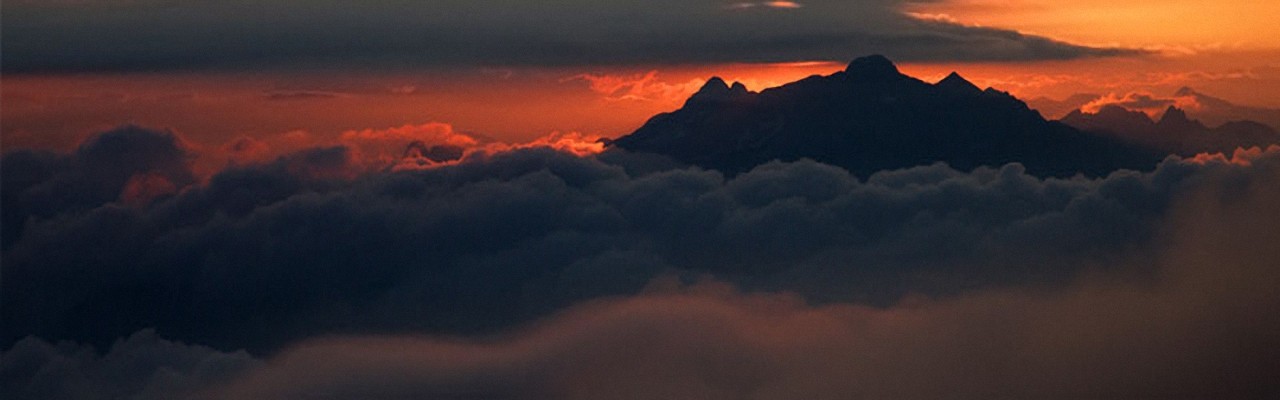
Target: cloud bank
x: 1200, y: 324
x: 168, y: 35
x: 143, y: 366
x: 314, y: 242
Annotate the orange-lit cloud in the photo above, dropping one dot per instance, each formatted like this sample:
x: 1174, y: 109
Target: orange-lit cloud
x: 387, y: 146
x: 638, y: 87
x: 1146, y: 102
x: 145, y: 187
x: 406, y: 147
x: 1240, y: 157
x: 416, y: 156
x: 766, y: 4
x: 572, y: 142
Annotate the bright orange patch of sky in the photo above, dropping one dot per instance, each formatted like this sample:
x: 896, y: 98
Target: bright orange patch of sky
x: 1186, y: 24
x: 515, y: 106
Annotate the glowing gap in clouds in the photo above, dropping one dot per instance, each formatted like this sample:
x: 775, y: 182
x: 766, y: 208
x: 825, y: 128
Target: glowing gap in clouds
x: 765, y: 4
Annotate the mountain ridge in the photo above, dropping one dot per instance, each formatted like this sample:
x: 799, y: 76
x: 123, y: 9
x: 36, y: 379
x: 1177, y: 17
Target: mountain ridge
x: 1174, y: 132
x: 1207, y: 109
x: 871, y: 117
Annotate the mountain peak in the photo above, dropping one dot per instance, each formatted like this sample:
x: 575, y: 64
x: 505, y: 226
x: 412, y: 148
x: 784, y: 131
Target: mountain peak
x: 957, y: 84
x: 872, y: 118
x: 1185, y: 91
x: 1174, y: 114
x: 714, y: 89
x: 717, y: 90
x: 713, y: 85
x: 873, y: 65
x: 1113, y: 111
x: 1109, y: 116
x: 1175, y: 118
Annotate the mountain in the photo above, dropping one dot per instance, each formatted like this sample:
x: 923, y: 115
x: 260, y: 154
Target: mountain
x: 1208, y: 109
x: 1174, y: 132
x: 871, y: 117
x: 1055, y: 109
x: 1216, y: 111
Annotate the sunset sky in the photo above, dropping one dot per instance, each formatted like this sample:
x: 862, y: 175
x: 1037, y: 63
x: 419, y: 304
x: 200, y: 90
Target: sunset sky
x: 514, y: 199
x: 516, y: 70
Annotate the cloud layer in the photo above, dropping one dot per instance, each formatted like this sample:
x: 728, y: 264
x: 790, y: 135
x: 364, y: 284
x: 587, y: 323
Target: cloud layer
x: 1200, y: 324
x: 315, y: 242
x: 143, y: 366
x: 167, y: 35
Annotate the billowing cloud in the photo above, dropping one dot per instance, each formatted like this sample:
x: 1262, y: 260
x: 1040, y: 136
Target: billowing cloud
x: 410, y: 146
x: 1194, y: 320
x: 128, y: 163
x: 500, y: 237
x: 141, y: 367
x: 150, y: 36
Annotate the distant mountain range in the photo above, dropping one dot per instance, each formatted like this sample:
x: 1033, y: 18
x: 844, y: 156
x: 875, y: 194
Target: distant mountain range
x: 1174, y: 132
x: 1210, y: 110
x: 1216, y: 111
x: 871, y: 117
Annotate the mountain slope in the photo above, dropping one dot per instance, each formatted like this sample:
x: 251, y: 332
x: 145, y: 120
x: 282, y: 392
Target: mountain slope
x: 871, y: 117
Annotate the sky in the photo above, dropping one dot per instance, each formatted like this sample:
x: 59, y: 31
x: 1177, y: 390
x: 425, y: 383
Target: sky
x: 516, y: 71
x: 394, y: 199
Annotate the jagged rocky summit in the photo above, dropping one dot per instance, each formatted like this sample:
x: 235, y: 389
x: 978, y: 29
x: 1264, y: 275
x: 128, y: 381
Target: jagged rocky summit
x: 870, y: 117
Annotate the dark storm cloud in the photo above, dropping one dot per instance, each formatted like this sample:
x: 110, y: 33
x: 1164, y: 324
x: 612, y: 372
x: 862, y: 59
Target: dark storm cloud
x: 1201, y: 325
x: 165, y: 35
x: 125, y: 162
x: 262, y: 255
x: 141, y: 367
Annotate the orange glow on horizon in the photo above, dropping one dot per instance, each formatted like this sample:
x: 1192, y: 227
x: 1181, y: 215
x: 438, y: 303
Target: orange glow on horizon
x: 251, y: 112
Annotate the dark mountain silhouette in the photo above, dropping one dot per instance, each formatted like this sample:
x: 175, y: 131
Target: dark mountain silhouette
x: 870, y: 117
x: 1174, y: 132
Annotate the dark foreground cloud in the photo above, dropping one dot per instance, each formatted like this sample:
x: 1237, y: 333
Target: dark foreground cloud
x: 143, y: 366
x: 1201, y: 324
x: 163, y: 35
x: 313, y: 243
x: 128, y: 164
